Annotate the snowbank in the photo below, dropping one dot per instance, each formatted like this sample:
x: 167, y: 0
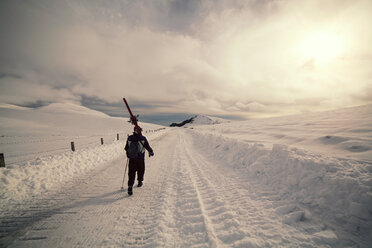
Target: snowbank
x: 20, y: 182
x: 334, y: 188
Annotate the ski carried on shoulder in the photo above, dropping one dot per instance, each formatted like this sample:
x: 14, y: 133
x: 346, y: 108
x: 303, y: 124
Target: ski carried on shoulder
x: 133, y: 119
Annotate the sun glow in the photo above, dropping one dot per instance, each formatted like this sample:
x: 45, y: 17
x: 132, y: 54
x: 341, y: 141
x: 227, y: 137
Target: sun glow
x: 322, y: 47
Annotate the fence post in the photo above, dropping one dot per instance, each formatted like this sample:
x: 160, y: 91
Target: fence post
x: 2, y: 161
x: 72, y: 146
x: 101, y: 141
x: 117, y: 136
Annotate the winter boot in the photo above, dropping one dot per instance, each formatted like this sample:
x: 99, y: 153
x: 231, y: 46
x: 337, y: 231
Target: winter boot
x: 130, y: 190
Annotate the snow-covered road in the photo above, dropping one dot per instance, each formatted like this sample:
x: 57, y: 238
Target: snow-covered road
x: 187, y: 201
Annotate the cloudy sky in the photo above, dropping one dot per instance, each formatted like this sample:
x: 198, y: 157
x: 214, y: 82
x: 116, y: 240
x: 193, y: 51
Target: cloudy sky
x: 235, y: 58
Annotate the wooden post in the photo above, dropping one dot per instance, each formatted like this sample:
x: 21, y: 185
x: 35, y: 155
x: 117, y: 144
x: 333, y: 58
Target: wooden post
x: 2, y: 161
x: 117, y: 136
x: 101, y: 141
x: 72, y: 146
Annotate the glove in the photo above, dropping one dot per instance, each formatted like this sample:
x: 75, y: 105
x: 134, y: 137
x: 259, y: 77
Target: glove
x: 151, y: 154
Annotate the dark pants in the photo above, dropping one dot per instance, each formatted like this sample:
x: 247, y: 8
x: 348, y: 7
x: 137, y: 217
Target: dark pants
x: 136, y: 165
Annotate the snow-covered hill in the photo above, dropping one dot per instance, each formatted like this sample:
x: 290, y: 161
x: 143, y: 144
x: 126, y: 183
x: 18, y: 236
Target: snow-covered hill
x: 57, y: 119
x: 295, y: 181
x: 70, y: 108
x: 198, y: 120
x: 345, y: 133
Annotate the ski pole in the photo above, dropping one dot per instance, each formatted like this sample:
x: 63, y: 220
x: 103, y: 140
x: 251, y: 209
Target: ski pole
x: 125, y: 172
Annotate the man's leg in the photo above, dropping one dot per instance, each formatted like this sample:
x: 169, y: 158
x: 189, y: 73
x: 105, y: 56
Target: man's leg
x: 131, y: 175
x: 141, y: 171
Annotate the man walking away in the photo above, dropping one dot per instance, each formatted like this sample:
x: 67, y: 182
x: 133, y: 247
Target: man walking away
x: 135, y: 150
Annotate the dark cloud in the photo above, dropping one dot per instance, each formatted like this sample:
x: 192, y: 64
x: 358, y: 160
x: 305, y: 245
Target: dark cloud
x: 36, y: 104
x: 9, y: 75
x: 164, y: 119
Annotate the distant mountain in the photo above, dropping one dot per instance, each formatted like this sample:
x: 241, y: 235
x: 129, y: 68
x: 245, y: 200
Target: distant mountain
x: 199, y: 120
x: 174, y: 124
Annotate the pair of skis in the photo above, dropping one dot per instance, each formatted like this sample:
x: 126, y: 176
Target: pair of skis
x: 133, y: 119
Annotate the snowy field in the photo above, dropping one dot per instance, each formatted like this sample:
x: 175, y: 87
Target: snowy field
x: 297, y: 181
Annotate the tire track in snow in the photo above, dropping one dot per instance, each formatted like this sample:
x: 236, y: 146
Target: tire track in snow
x: 196, y: 213
x: 184, y: 223
x: 220, y: 218
x: 241, y: 218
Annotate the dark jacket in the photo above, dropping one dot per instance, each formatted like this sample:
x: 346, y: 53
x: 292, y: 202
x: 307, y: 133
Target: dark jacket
x: 142, y: 141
